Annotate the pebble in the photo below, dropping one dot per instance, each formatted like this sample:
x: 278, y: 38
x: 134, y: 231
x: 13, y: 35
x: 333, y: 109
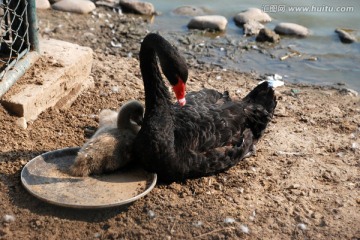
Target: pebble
x: 143, y: 8
x: 78, y: 6
x: 291, y: 29
x: 115, y: 45
x: 252, y: 217
x: 240, y: 190
x: 252, y: 28
x: 244, y: 228
x: 151, y: 214
x: 115, y: 89
x: 42, y: 4
x: 190, y: 11
x: 345, y: 37
x: 254, y: 14
x: 267, y: 35
x: 340, y: 154
x: 229, y: 220
x: 348, y: 91
x: 294, y: 186
x: 211, y: 22
x: 301, y: 226
x: 198, y: 223
x: 21, y: 122
x: 9, y: 218
x: 354, y: 146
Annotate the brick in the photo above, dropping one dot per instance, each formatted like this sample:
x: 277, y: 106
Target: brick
x: 60, y: 86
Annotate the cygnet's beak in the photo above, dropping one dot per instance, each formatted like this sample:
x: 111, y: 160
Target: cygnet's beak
x: 139, y: 120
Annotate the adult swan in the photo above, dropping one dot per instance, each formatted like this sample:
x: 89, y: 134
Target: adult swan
x: 204, y: 133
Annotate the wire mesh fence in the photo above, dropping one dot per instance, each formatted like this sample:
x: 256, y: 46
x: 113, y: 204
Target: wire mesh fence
x: 17, y: 37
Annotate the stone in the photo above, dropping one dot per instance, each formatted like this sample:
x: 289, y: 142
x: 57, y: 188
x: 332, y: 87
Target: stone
x: 42, y: 4
x: 190, y: 11
x: 267, y: 35
x: 252, y: 28
x: 209, y: 22
x: 291, y: 29
x: 74, y: 6
x: 9, y: 218
x: 345, y: 36
x: 61, y: 83
x: 349, y: 92
x: 21, y: 122
x: 254, y: 14
x: 143, y: 8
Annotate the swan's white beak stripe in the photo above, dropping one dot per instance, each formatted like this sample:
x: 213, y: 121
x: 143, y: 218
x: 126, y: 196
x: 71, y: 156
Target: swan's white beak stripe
x: 179, y: 90
x: 182, y: 101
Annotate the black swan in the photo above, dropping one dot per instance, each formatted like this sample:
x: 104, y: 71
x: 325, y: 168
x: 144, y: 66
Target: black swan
x: 110, y: 147
x: 204, y: 133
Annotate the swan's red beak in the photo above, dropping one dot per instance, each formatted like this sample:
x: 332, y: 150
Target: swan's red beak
x: 179, y: 90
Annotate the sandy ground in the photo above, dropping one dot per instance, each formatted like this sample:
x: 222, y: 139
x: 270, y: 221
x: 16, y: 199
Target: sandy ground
x: 303, y: 182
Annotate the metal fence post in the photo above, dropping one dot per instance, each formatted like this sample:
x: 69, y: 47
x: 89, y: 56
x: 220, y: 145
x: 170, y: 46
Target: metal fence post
x: 33, y: 31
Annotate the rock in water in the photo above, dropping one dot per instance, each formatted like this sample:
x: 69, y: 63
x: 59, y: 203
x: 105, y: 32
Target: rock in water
x: 345, y: 37
x: 42, y: 4
x: 143, y: 8
x: 211, y: 22
x: 254, y: 14
x: 78, y: 6
x: 291, y: 29
x: 190, y: 11
x: 252, y: 28
x: 267, y: 35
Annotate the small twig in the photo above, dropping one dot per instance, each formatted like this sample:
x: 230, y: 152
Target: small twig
x: 172, y: 228
x: 214, y: 231
x: 291, y: 153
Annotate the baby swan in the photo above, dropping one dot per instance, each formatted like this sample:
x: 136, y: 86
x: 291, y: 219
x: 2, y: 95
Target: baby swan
x: 110, y: 147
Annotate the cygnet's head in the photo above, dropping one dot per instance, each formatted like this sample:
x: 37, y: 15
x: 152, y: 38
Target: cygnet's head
x: 131, y: 116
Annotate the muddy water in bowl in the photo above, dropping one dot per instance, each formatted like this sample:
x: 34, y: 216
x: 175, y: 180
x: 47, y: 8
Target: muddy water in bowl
x: 46, y: 178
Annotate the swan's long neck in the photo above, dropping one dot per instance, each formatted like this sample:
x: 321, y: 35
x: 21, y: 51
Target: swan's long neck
x: 124, y: 122
x: 156, y: 92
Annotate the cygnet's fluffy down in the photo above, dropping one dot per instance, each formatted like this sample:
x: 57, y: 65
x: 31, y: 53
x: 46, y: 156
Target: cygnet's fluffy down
x: 110, y: 147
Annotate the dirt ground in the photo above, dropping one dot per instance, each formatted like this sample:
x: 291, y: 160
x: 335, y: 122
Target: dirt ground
x: 303, y: 183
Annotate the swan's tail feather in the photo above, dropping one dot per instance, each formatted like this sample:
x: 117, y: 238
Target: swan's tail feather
x: 263, y: 95
x: 260, y: 104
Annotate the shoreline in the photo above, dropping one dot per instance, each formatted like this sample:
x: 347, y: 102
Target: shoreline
x: 199, y: 47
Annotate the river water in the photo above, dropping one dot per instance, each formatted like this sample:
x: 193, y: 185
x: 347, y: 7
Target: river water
x: 336, y: 63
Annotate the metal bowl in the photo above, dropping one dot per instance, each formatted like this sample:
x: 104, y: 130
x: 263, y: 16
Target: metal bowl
x: 46, y: 177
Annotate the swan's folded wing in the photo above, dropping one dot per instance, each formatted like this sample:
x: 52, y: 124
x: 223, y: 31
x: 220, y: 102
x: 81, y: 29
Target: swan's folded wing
x: 206, y: 126
x: 207, y: 96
